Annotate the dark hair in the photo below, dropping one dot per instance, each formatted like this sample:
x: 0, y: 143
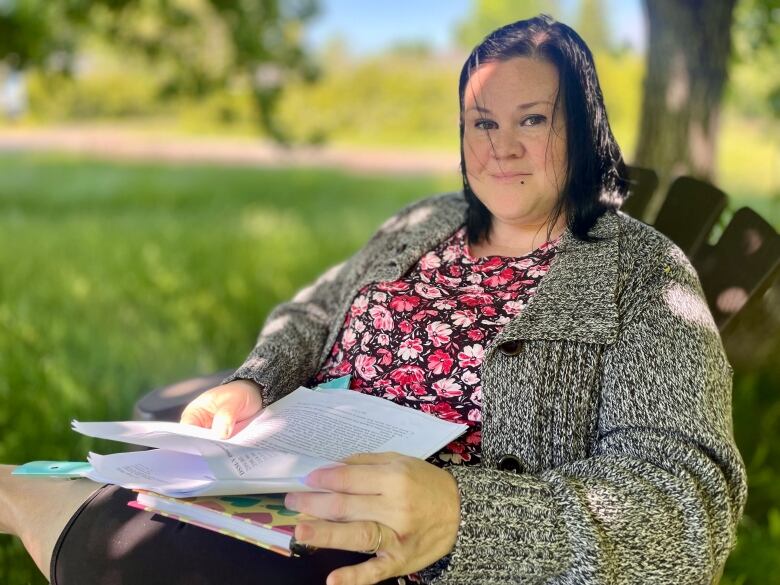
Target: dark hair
x: 595, y: 173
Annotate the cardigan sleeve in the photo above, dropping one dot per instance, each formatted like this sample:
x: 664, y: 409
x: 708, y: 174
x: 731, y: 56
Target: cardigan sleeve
x: 660, y: 495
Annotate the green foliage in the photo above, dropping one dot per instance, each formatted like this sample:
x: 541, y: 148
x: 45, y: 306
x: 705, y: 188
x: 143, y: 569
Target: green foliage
x: 194, y: 46
x: 755, y: 79
x: 592, y: 26
x: 392, y: 99
x: 488, y: 15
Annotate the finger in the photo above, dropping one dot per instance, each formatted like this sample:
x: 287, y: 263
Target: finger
x: 196, y: 415
x: 338, y: 507
x: 371, y: 458
x: 223, y: 423
x: 354, y: 536
x: 369, y: 572
x: 349, y: 479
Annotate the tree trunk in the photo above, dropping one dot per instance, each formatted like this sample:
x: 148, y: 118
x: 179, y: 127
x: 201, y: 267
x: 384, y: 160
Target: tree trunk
x: 687, y: 57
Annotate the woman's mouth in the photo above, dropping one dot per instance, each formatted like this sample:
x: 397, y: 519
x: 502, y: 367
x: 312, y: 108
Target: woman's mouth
x: 509, y: 177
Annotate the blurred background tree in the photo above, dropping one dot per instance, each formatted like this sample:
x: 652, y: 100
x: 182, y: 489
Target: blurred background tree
x: 691, y: 45
x: 196, y: 47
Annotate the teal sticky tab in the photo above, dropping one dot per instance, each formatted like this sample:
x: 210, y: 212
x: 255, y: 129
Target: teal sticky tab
x: 53, y: 469
x: 337, y: 384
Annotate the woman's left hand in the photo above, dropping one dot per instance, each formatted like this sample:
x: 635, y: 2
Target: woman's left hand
x: 413, y: 504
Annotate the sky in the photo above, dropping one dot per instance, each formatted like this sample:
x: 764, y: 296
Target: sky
x: 369, y: 26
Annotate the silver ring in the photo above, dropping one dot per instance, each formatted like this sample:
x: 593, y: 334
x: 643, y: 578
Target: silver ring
x: 374, y: 550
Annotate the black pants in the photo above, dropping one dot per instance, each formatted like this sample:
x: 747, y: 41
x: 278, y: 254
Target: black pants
x: 106, y: 542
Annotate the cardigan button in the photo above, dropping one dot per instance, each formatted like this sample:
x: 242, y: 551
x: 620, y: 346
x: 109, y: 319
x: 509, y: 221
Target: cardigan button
x: 511, y: 348
x: 511, y: 463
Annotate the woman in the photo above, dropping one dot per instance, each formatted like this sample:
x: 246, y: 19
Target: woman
x: 573, y: 340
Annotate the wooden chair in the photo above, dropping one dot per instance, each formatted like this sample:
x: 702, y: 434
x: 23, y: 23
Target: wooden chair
x: 643, y: 183
x: 691, y: 209
x: 740, y: 267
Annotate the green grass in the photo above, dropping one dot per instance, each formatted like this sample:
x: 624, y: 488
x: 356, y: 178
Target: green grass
x: 116, y: 278
x: 119, y: 278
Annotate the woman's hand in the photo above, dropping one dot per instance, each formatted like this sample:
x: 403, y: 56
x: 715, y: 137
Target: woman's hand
x: 414, y: 504
x: 227, y: 409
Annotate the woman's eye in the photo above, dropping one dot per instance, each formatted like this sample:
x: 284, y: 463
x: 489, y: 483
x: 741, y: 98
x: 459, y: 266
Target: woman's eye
x: 485, y: 125
x: 535, y: 120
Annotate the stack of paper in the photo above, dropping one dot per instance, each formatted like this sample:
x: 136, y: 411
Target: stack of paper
x: 303, y: 431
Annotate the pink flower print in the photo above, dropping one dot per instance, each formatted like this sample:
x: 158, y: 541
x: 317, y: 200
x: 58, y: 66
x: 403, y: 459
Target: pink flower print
x: 446, y: 280
x: 382, y: 318
x: 447, y: 388
x: 364, y: 366
x: 407, y: 375
x: 523, y: 263
x: 360, y: 326
x: 359, y: 306
x: 463, y: 318
x: 488, y: 310
x: 383, y: 339
x: 456, y: 447
x: 504, y: 295
x: 470, y: 378
x: 430, y: 261
x: 367, y: 336
x: 394, y: 393
x: 410, y: 349
x: 394, y: 286
x: 427, y: 291
x: 475, y: 334
x: 405, y: 326
x: 471, y: 356
x: 499, y: 279
x: 439, y: 362
x: 385, y: 357
x: 404, y: 303
x: 450, y: 254
x: 445, y: 411
x: 342, y: 369
x: 474, y: 438
x: 349, y: 339
x: 456, y: 271
x: 379, y: 297
x: 472, y: 288
x: 488, y: 265
x: 418, y: 389
x: 445, y: 304
x: 537, y: 271
x: 475, y: 299
x: 439, y: 333
x: 419, y: 315
x: 474, y: 278
x: 476, y: 396
x: 475, y: 415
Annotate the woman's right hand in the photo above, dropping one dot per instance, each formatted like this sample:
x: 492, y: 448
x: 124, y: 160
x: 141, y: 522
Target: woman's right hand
x: 226, y: 409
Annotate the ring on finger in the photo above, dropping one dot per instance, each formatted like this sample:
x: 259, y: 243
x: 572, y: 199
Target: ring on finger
x: 374, y: 550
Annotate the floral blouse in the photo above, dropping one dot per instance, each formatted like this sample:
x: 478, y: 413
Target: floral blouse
x: 420, y: 340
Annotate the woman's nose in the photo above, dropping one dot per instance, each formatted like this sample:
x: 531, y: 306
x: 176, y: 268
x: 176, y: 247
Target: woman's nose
x: 506, y: 145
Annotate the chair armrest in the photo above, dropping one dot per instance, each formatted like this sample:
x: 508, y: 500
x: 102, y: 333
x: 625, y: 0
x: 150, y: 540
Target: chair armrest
x: 168, y: 402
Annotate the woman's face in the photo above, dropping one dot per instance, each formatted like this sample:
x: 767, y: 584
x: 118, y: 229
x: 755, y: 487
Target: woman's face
x: 515, y: 158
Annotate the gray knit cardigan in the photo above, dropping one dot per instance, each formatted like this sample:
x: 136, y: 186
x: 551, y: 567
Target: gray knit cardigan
x: 611, y: 389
